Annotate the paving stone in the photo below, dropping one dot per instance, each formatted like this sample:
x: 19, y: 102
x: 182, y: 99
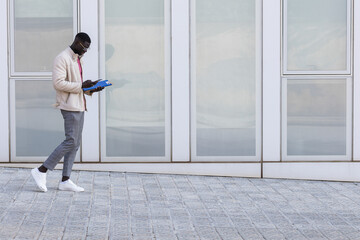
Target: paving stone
x: 187, y: 235
x: 271, y: 233
x: 160, y: 206
x: 312, y: 234
x: 166, y: 237
x: 249, y: 233
x: 228, y: 233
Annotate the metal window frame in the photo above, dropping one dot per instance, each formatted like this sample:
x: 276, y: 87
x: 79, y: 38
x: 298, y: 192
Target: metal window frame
x: 348, y: 69
x: 349, y: 121
x: 14, y: 157
x: 11, y: 15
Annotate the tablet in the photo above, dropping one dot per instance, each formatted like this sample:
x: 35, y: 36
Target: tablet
x: 102, y: 83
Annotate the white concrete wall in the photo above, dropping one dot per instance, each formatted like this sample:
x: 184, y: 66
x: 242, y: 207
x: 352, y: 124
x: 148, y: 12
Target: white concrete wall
x: 180, y: 78
x: 211, y: 169
x: 180, y: 73
x: 271, y: 80
x: 4, y: 89
x: 336, y: 171
x: 356, y: 83
x: 91, y: 134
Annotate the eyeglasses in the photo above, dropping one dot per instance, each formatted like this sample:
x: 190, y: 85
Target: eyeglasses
x: 84, y: 48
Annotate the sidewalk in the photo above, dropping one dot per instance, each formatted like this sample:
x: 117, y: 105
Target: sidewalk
x: 154, y: 206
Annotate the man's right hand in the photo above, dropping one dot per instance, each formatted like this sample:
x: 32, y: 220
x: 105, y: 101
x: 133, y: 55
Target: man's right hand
x: 88, y: 83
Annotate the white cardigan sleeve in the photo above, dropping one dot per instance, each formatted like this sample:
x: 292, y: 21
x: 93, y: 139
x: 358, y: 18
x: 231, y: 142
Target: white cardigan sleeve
x: 61, y: 80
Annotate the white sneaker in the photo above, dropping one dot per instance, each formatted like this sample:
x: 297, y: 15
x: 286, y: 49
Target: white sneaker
x: 68, y: 185
x: 40, y: 179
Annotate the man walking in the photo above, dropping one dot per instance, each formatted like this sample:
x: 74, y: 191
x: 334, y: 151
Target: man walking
x: 70, y: 99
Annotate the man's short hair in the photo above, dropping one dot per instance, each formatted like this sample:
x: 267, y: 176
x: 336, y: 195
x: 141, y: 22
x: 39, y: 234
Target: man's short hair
x: 83, y: 37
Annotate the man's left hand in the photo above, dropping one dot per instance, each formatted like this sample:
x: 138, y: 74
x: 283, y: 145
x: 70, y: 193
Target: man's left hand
x: 90, y: 92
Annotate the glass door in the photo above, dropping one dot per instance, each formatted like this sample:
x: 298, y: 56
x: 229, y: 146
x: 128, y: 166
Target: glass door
x: 39, y: 30
x: 135, y: 46
x: 226, y: 80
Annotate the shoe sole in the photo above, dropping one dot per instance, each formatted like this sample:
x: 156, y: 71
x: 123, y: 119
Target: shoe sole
x: 41, y: 188
x: 70, y: 190
x: 67, y: 189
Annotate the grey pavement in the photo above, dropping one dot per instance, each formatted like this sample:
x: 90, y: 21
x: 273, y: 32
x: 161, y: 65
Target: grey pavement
x: 158, y: 206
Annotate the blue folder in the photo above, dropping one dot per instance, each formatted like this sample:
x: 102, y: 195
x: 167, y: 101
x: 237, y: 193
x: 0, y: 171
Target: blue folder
x: 102, y: 83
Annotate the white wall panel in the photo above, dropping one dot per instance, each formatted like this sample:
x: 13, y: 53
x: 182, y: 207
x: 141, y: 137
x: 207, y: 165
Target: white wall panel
x: 4, y: 97
x: 180, y: 31
x: 210, y: 169
x: 356, y: 85
x: 90, y: 137
x: 271, y: 80
x: 337, y: 171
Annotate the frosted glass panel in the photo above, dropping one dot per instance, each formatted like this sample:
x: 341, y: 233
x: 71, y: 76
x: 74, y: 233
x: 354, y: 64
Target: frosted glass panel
x: 42, y: 29
x: 39, y: 126
x: 316, y: 117
x: 225, y: 50
x: 317, y: 35
x: 135, y: 64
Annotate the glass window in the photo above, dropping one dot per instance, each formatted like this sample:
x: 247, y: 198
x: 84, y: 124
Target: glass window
x: 41, y: 29
x: 225, y: 79
x: 318, y: 118
x: 137, y: 105
x: 317, y: 35
x: 39, y: 127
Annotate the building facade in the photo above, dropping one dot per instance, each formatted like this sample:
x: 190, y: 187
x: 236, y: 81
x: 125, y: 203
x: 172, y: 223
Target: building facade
x: 252, y: 88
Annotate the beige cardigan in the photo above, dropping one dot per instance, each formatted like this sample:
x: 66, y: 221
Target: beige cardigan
x: 67, y: 82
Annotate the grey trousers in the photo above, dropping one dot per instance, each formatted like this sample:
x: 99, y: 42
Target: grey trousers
x: 73, y: 124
